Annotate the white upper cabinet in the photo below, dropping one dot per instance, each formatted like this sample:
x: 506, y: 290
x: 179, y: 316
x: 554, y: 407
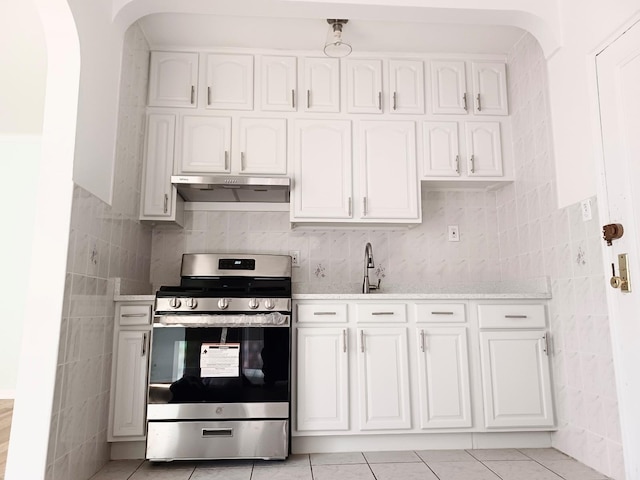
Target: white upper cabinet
x: 322, y: 179
x: 484, y: 149
x: 173, y: 79
x: 263, y: 145
x: 278, y: 83
x: 490, y: 88
x: 364, y: 86
x: 388, y: 177
x: 229, y: 81
x: 448, y: 87
x: 441, y: 154
x: 321, y: 84
x: 205, y: 145
x: 406, y: 86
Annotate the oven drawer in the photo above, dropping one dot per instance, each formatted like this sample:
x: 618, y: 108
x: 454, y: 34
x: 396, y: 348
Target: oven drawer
x: 202, y: 440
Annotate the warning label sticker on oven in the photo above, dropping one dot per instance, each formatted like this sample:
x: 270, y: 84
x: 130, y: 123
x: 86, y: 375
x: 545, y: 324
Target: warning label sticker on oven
x: 220, y: 360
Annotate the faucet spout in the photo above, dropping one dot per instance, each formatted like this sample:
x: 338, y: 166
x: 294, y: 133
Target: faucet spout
x: 368, y: 263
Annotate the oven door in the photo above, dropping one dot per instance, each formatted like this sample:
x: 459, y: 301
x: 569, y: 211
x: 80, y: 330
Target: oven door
x: 221, y: 367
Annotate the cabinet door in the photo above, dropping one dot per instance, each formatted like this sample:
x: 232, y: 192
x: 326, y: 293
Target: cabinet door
x: 383, y: 379
x: 515, y: 379
x: 230, y: 81
x: 323, y: 381
x: 173, y: 79
x: 406, y: 86
x: 321, y: 84
x: 322, y: 186
x: 130, y: 386
x: 441, y: 156
x: 158, y: 194
x: 484, y: 149
x: 205, y: 144
x: 490, y: 88
x: 448, y: 86
x: 364, y: 86
x: 443, y: 371
x: 278, y: 83
x: 263, y: 145
x: 389, y: 184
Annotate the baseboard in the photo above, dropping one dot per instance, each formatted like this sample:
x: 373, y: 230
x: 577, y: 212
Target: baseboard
x: 7, y: 394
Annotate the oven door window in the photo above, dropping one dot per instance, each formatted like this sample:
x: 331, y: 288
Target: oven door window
x: 219, y: 365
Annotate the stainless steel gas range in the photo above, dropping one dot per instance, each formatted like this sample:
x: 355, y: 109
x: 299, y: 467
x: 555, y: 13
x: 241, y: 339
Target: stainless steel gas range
x: 220, y: 376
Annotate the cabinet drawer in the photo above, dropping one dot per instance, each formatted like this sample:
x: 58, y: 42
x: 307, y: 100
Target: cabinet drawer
x: 322, y: 313
x: 440, y: 312
x: 134, y: 315
x: 511, y: 316
x: 382, y: 312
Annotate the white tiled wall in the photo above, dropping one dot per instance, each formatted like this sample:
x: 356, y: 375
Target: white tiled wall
x: 105, y: 242
x: 538, y: 239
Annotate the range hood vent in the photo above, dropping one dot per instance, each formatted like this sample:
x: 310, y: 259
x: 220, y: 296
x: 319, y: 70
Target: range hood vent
x: 229, y: 188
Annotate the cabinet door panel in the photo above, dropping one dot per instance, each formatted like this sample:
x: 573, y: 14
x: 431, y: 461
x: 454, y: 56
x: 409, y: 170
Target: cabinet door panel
x: 406, y: 86
x: 383, y: 378
x: 441, y: 157
x: 173, y: 78
x: 322, y: 85
x: 515, y: 379
x: 443, y: 366
x: 389, y: 184
x: 230, y: 81
x: 448, y: 87
x: 159, y: 194
x: 323, y: 393
x: 364, y: 86
x: 484, y: 149
x: 322, y: 173
x: 279, y: 88
x: 130, y: 384
x: 263, y: 145
x: 205, y: 144
x: 490, y: 88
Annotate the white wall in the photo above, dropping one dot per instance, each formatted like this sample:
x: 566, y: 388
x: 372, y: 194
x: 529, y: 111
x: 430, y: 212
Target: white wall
x: 22, y: 86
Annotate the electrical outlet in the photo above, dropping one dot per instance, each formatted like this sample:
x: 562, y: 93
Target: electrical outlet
x: 295, y: 258
x: 454, y: 234
x: 585, y: 208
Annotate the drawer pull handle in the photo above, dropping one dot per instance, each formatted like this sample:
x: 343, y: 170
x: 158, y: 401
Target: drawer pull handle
x: 515, y: 316
x: 217, y: 432
x: 441, y: 313
x: 344, y: 340
x: 325, y: 313
x: 129, y: 315
x: 422, y: 344
x: 193, y: 94
x: 144, y: 345
x: 382, y: 313
x: 362, y: 341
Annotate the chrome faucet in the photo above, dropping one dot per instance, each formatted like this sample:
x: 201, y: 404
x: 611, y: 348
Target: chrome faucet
x: 368, y: 263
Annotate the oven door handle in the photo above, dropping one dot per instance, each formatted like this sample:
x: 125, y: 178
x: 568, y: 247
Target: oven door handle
x: 272, y: 319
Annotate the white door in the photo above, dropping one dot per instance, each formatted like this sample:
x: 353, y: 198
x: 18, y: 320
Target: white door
x: 383, y: 379
x: 516, y: 384
x: 388, y: 176
x: 489, y: 88
x: 173, y: 79
x: 321, y: 85
x: 130, y: 386
x: 322, y: 379
x: 279, y: 83
x: 443, y: 374
x: 406, y: 86
x: 158, y: 194
x: 484, y: 149
x: 263, y: 145
x: 448, y: 87
x: 229, y: 81
x: 205, y: 145
x: 322, y: 178
x: 364, y: 86
x: 441, y: 154
x: 618, y: 68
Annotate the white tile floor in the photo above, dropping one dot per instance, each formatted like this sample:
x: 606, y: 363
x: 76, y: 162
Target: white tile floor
x: 496, y: 464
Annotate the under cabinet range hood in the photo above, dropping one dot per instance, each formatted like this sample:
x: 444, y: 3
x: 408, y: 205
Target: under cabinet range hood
x: 230, y: 188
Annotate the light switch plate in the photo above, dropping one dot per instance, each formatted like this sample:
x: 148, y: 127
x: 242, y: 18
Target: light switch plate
x: 454, y: 234
x: 585, y: 208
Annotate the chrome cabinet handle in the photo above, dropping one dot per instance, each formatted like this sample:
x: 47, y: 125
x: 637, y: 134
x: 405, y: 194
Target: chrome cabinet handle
x: 545, y: 344
x: 395, y: 100
x: 472, y: 160
x: 226, y: 159
x: 144, y: 344
x: 364, y: 206
x: 344, y: 340
x: 362, y: 341
x: 380, y: 101
x: 208, y: 95
x: 193, y: 94
x: 242, y: 161
x: 382, y: 313
x: 479, y: 104
x: 325, y: 313
x: 422, y: 340
x: 166, y: 203
x: 464, y: 101
x: 129, y: 315
x: 350, y: 206
x: 515, y: 316
x: 441, y: 313
x: 457, y: 163
x: 293, y: 98
x: 308, y: 98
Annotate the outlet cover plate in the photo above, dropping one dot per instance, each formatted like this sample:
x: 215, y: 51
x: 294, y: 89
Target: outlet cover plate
x: 453, y: 233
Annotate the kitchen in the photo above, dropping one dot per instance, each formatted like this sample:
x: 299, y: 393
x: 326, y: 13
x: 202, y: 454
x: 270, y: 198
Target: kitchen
x: 520, y: 209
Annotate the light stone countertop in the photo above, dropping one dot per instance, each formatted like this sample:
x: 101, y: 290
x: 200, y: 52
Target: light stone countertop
x: 134, y: 298
x: 422, y: 296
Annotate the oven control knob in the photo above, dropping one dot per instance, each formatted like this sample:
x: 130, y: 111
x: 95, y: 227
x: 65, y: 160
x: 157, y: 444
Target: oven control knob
x: 191, y: 303
x: 223, y: 303
x: 175, y: 302
x: 254, y: 303
x: 269, y: 304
